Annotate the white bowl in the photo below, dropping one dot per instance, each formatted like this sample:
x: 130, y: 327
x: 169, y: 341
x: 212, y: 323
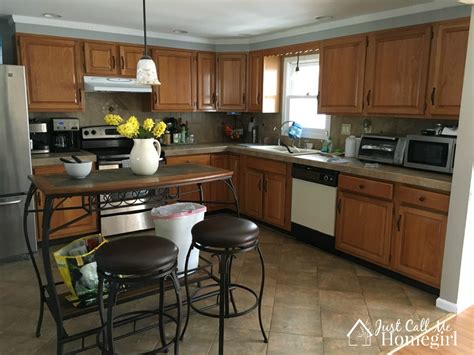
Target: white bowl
x: 78, y: 170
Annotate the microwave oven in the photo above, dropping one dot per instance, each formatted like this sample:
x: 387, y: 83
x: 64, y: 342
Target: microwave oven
x: 435, y: 153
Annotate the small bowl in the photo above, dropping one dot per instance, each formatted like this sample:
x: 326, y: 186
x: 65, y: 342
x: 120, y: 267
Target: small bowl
x: 78, y: 170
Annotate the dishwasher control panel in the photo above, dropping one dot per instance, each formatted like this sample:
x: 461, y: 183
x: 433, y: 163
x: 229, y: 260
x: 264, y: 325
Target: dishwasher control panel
x: 314, y: 174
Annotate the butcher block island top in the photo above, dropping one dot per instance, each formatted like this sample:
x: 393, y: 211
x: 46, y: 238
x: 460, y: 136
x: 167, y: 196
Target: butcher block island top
x: 103, y: 181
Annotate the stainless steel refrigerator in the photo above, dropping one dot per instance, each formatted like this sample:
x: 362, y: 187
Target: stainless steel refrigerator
x: 15, y: 162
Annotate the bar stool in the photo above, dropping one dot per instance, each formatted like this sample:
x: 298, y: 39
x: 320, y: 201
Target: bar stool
x: 225, y: 237
x: 137, y: 260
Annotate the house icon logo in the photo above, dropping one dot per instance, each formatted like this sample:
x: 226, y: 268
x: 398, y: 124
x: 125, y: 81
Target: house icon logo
x: 360, y: 334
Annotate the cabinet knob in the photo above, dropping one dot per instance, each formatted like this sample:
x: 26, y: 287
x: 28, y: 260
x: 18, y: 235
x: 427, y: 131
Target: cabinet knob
x: 422, y: 198
x: 361, y: 186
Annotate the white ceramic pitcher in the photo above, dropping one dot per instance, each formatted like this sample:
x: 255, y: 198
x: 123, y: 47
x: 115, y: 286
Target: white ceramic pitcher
x: 145, y: 156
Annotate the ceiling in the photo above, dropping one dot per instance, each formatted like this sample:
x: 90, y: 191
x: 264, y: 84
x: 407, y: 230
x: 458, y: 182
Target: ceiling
x: 208, y: 19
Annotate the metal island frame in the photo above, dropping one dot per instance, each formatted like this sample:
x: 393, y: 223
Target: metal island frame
x: 104, y: 190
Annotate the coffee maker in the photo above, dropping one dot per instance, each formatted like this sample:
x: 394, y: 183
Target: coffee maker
x: 65, y: 134
x: 40, y: 137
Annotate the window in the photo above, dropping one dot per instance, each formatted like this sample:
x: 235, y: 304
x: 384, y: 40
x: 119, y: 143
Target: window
x: 300, y: 90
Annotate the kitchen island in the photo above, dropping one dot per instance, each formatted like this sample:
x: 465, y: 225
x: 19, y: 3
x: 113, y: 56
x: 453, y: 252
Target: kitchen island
x: 100, y: 191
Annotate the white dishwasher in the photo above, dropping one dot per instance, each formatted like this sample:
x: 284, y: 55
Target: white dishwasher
x: 313, y: 205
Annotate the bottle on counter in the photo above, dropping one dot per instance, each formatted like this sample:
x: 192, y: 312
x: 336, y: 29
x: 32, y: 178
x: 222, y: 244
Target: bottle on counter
x: 176, y: 138
x: 350, y: 147
x: 183, y: 134
x: 167, y: 138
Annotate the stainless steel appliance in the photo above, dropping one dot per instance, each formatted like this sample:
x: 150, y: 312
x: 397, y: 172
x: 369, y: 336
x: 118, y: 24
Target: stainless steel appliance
x: 382, y: 149
x: 313, y: 205
x: 40, y: 137
x: 113, y: 151
x: 15, y: 162
x: 65, y: 134
x: 435, y: 153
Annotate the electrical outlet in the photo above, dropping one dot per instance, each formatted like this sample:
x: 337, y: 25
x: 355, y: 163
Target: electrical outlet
x: 346, y: 129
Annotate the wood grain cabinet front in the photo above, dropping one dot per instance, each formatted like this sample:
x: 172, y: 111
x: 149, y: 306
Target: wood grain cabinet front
x: 255, y: 82
x: 231, y: 81
x: 129, y: 57
x: 53, y: 73
x: 86, y: 225
x: 101, y: 58
x: 448, y: 59
x: 177, y: 74
x: 206, y: 81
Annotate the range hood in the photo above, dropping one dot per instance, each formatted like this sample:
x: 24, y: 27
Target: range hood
x: 111, y: 84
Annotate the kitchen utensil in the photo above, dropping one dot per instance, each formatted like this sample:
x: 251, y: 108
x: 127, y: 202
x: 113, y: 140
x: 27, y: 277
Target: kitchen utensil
x: 76, y: 159
x: 68, y: 161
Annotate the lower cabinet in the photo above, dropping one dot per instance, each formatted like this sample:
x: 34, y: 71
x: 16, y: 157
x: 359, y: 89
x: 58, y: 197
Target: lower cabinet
x: 84, y: 226
x: 399, y: 227
x: 266, y: 184
x: 364, y: 227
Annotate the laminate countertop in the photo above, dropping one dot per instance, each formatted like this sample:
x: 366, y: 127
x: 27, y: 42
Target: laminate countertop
x: 419, y: 178
x: 53, y: 158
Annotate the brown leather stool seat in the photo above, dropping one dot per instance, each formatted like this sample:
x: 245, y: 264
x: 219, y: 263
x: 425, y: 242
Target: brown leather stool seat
x: 225, y: 232
x: 136, y: 255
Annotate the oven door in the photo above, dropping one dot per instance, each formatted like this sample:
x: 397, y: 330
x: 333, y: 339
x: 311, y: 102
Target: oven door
x: 430, y: 153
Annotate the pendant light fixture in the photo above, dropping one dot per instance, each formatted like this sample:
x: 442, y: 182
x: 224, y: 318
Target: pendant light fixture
x: 146, y: 68
x: 297, y: 69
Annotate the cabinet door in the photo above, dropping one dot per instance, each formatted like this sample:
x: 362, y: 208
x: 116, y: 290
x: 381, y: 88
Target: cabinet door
x: 129, y: 57
x: 448, y: 58
x: 191, y: 192
x: 231, y: 78
x: 252, y: 198
x: 419, y: 244
x: 272, y: 75
x: 341, y: 77
x: 176, y: 72
x: 53, y: 72
x: 274, y: 197
x: 219, y: 190
x: 206, y: 81
x: 363, y: 227
x: 255, y: 88
x: 397, y: 70
x: 84, y: 226
x: 101, y: 58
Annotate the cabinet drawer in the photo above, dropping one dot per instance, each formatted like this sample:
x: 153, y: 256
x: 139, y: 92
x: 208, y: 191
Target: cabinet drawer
x: 367, y: 187
x: 189, y: 159
x: 423, y: 198
x: 271, y: 166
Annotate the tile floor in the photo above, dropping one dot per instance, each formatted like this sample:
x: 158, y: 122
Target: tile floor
x: 312, y: 299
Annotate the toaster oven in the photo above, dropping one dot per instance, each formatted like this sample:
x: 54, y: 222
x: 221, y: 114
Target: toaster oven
x: 382, y: 149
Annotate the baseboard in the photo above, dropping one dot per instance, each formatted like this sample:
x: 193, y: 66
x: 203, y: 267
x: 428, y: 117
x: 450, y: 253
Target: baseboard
x: 447, y: 306
x: 313, y: 237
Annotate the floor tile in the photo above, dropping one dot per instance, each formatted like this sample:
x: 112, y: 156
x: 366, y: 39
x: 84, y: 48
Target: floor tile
x: 284, y: 344
x: 296, y: 321
x: 297, y: 297
x: 342, y: 302
x: 338, y: 280
x: 297, y: 278
x: 338, y: 325
x: 239, y: 342
x: 334, y: 346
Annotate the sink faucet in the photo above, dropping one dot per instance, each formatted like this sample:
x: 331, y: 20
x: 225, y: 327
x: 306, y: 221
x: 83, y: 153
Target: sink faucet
x: 279, y: 129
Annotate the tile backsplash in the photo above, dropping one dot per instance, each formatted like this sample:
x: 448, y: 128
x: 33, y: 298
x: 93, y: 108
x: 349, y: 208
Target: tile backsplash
x: 208, y: 126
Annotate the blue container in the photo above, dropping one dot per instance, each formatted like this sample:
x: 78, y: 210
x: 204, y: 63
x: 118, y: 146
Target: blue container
x: 295, y: 131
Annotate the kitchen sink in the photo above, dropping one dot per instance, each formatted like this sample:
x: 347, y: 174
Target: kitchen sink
x: 280, y: 149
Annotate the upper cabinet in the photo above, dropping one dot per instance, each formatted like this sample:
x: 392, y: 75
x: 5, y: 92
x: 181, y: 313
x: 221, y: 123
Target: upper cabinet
x: 53, y: 72
x: 255, y: 81
x: 231, y: 81
x: 177, y: 73
x: 110, y: 59
x: 206, y: 81
x: 272, y: 75
x: 101, y: 58
x: 129, y: 57
x: 397, y: 70
x: 448, y: 58
x: 341, y: 81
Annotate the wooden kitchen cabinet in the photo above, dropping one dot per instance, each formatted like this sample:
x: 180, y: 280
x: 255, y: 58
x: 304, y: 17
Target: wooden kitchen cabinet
x: 341, y: 77
x: 206, y: 81
x: 101, y: 58
x: 255, y: 81
x: 419, y: 244
x: 129, y: 57
x: 219, y: 190
x: 265, y: 191
x: 87, y: 225
x: 448, y: 59
x: 191, y: 192
x: 397, y: 71
x: 53, y: 73
x: 177, y: 74
x: 231, y: 81
x: 364, y: 218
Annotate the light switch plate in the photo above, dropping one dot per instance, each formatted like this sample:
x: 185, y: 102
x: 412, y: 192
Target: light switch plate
x: 346, y: 129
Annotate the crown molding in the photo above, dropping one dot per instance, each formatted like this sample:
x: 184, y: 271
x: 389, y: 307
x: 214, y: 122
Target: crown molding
x: 382, y: 15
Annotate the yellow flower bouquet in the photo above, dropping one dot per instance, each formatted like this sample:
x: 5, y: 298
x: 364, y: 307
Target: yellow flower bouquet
x: 132, y: 129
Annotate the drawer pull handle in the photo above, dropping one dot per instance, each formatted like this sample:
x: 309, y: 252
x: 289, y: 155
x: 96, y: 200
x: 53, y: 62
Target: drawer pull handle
x: 399, y: 222
x: 361, y: 186
x: 259, y: 185
x: 339, y: 203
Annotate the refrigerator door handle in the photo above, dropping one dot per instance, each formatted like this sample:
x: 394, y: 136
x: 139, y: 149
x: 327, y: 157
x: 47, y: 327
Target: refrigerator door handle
x: 14, y: 202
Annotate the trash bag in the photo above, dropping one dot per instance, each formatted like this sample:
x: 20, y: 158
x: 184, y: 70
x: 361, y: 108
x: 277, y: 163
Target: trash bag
x: 77, y: 266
